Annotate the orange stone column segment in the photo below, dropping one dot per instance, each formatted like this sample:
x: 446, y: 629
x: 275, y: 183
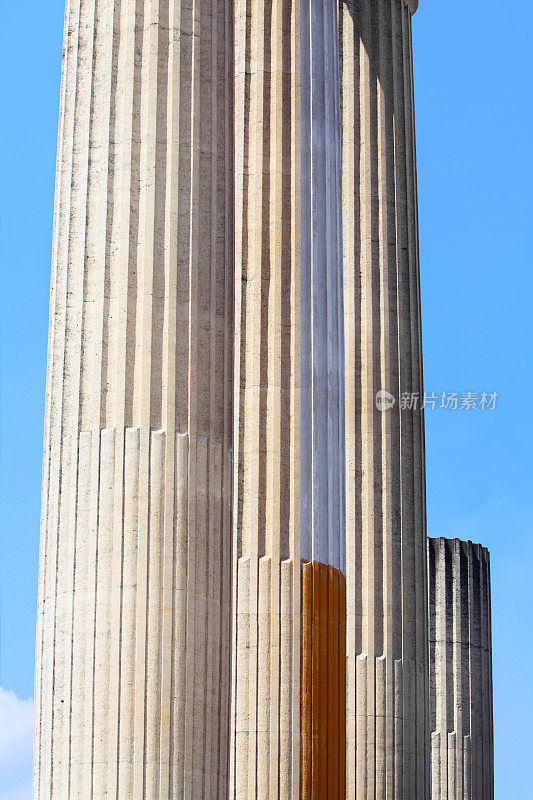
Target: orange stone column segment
x: 323, y: 683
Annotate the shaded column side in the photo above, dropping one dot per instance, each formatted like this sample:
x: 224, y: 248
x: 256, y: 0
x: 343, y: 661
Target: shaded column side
x: 462, y: 747
x: 386, y: 574
x: 134, y: 595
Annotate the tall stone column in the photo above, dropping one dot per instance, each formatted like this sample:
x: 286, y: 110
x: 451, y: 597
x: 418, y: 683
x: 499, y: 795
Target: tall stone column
x: 462, y: 750
x: 385, y: 483
x: 289, y: 429
x: 133, y: 662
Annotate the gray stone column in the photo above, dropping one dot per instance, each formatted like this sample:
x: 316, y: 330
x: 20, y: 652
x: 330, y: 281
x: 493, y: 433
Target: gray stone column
x: 133, y: 662
x: 385, y: 475
x: 462, y: 753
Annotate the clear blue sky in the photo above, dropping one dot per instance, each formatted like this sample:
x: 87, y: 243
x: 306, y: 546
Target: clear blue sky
x: 474, y: 103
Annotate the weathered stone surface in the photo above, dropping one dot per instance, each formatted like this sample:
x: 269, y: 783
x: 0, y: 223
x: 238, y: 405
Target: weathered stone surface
x: 264, y: 752
x: 133, y: 647
x: 387, y: 736
x: 462, y: 749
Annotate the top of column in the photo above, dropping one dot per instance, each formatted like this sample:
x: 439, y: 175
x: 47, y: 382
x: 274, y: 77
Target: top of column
x: 413, y: 5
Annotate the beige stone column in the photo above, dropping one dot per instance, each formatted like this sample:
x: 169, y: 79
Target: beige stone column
x: 264, y: 760
x: 132, y: 680
x: 462, y: 750
x: 385, y: 482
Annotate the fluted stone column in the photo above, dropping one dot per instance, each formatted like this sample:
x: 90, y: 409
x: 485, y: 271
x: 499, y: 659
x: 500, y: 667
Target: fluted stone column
x: 462, y: 750
x: 265, y: 678
x: 133, y: 661
x: 289, y: 438
x: 385, y: 483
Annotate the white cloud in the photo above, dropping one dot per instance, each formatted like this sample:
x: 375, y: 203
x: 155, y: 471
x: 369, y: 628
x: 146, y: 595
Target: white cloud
x: 16, y: 743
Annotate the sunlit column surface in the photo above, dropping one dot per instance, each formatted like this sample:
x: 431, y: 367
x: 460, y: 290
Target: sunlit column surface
x: 132, y: 680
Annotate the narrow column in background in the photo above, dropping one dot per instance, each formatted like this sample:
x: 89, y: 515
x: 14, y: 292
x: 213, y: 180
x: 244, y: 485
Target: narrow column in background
x: 289, y: 439
x: 387, y: 666
x: 462, y: 749
x: 133, y: 661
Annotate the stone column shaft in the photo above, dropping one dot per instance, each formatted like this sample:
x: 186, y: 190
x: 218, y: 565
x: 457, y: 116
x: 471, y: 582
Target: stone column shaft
x: 264, y: 758
x: 462, y: 749
x: 132, y: 680
x: 385, y: 481
x: 289, y: 440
